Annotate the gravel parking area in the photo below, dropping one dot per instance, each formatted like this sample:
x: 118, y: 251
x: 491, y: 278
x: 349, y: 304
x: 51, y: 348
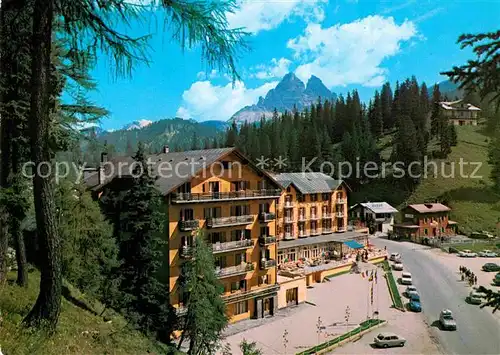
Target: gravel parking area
x: 328, y: 302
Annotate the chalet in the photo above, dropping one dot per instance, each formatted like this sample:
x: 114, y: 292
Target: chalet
x: 381, y: 214
x: 424, y: 222
x: 460, y: 113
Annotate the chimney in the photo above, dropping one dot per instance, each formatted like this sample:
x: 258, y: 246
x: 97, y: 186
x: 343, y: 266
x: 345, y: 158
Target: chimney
x: 165, y: 149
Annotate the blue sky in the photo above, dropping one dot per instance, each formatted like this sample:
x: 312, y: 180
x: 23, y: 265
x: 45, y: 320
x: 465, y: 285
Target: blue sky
x: 347, y: 43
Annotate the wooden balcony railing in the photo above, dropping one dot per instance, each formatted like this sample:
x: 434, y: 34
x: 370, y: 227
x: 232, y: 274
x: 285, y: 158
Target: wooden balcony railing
x: 267, y: 217
x: 229, y: 221
x: 266, y: 264
x: 339, y: 214
x: 288, y: 236
x: 234, y: 270
x: 186, y: 252
x: 314, y: 217
x: 302, y: 218
x: 327, y: 215
x: 289, y: 204
x: 288, y: 219
x: 186, y: 197
x: 189, y: 225
x: 267, y: 239
x: 341, y: 201
x: 232, y: 245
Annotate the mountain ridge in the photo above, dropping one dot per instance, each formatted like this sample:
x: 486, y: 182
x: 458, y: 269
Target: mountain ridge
x: 290, y: 93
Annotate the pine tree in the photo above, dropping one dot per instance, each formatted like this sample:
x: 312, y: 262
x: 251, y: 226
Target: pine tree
x: 232, y: 134
x: 406, y: 149
x: 201, y: 289
x: 453, y: 135
x: 142, y: 252
x: 386, y: 106
x: 436, y: 118
x: 194, y: 141
x: 376, y: 116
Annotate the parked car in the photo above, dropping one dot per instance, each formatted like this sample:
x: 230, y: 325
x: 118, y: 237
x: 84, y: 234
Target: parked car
x: 398, y: 266
x: 482, y: 235
x: 446, y: 320
x: 415, y: 304
x: 489, y: 267
x: 385, y: 340
x: 474, y: 298
x: 496, y: 280
x: 466, y: 253
x: 406, y: 278
x: 410, y: 290
x: 395, y: 257
x: 487, y: 254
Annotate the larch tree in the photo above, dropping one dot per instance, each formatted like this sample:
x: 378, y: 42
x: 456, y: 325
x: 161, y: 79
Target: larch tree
x: 91, y: 25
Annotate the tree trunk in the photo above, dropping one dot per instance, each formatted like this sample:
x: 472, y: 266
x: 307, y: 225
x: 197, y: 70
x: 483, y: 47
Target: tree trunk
x: 46, y: 310
x: 22, y: 264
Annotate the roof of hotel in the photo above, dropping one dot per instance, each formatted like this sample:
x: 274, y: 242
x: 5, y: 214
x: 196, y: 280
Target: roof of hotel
x: 430, y: 207
x: 177, y: 167
x: 308, y: 182
x: 377, y: 207
x: 448, y: 105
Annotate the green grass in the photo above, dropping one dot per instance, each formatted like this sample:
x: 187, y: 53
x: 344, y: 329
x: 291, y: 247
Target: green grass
x: 479, y: 246
x: 475, y: 206
x: 367, y: 324
x: 78, y: 331
x: 393, y: 287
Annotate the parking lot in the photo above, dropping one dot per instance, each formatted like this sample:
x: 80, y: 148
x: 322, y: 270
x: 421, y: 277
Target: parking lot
x: 326, y: 309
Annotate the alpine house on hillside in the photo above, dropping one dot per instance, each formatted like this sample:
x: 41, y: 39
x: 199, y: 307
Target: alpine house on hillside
x: 460, y: 113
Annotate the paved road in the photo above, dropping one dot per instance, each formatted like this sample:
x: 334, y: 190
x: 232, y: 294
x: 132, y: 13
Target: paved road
x: 478, y: 330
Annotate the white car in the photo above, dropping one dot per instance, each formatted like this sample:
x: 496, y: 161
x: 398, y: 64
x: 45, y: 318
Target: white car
x: 395, y: 257
x: 466, y: 253
x: 385, y: 340
x: 398, y: 266
x: 410, y: 290
x: 406, y: 278
x: 487, y: 254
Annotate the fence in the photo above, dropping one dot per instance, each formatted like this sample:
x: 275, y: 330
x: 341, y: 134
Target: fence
x: 393, y: 287
x: 364, y: 326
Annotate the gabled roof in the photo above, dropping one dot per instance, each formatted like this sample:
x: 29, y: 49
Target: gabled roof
x: 171, y: 169
x: 429, y: 207
x: 448, y: 105
x: 308, y: 182
x: 377, y: 207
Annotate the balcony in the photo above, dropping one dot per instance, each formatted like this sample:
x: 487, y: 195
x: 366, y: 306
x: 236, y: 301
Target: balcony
x: 341, y: 201
x: 303, y: 234
x: 186, y: 252
x: 315, y: 232
x: 186, y: 226
x: 190, y: 197
x: 327, y: 215
x: 267, y: 239
x: 341, y: 229
x: 235, y: 270
x: 326, y: 230
x: 265, y: 217
x: 289, y: 236
x: 288, y: 219
x: 243, y: 295
x: 229, y: 221
x: 289, y: 204
x: 266, y: 264
x: 339, y: 214
x: 314, y: 217
x: 302, y: 218
x: 231, y: 246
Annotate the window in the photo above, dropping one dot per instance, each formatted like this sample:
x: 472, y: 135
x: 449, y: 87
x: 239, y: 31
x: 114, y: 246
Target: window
x: 241, y: 210
x: 186, y: 188
x: 240, y: 307
x: 425, y: 231
x: 220, y: 261
x: 217, y: 237
x: 213, y: 186
x: 264, y: 280
x: 187, y: 241
x: 281, y: 257
x: 238, y: 234
x: 235, y: 286
x: 264, y: 231
x: 314, y: 197
x: 288, y: 189
x: 263, y: 208
x: 325, y: 197
x: 240, y: 258
x: 226, y: 164
x: 300, y: 198
x: 240, y: 185
x: 186, y: 214
x: 213, y: 212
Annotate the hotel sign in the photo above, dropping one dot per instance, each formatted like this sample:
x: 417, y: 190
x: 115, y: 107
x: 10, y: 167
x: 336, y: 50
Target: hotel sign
x: 407, y: 215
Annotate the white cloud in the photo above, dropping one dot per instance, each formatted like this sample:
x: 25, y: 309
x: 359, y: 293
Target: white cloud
x: 276, y: 69
x: 205, y: 101
x: 350, y: 53
x: 204, y: 75
x: 256, y: 16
